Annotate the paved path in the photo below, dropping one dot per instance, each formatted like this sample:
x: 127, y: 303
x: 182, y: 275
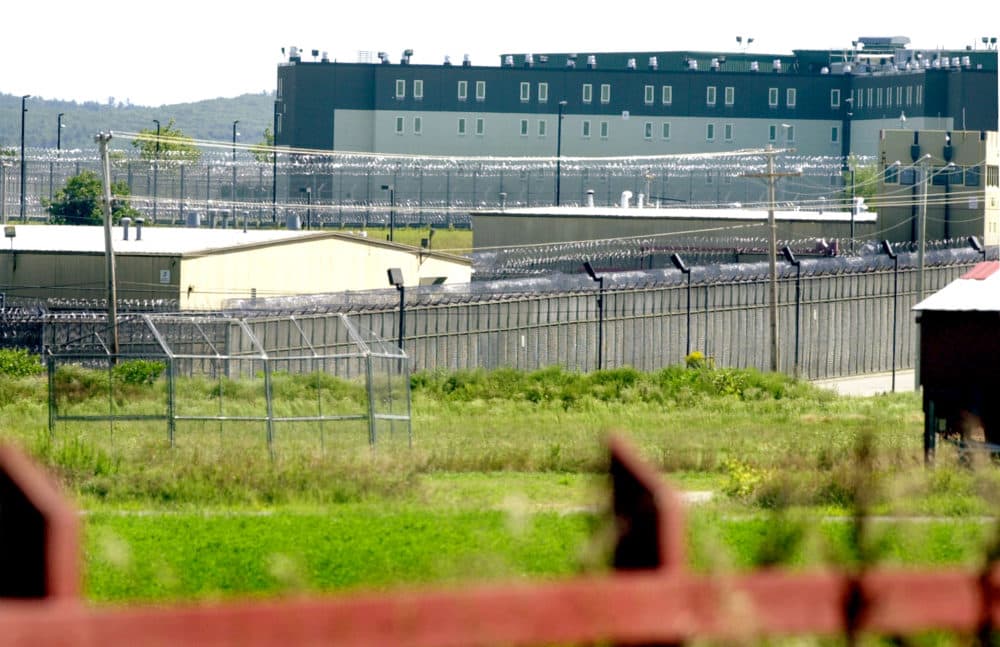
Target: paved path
x: 865, y: 385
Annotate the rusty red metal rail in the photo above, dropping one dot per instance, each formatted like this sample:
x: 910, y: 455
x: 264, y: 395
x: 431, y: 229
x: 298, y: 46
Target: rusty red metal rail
x: 650, y: 599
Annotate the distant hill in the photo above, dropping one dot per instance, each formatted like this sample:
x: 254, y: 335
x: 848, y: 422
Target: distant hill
x: 210, y: 119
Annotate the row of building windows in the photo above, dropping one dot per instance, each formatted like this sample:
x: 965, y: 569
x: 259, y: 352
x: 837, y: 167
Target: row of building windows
x: 872, y: 97
x: 649, y: 129
x: 940, y: 176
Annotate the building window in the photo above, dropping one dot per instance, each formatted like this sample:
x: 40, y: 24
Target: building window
x: 888, y: 97
x: 605, y: 93
x: 399, y: 125
x: 280, y: 86
x: 461, y: 126
x: 834, y: 134
x: 480, y: 126
x: 648, y: 94
x: 418, y: 89
x: 278, y: 128
x: 541, y: 127
x: 772, y: 133
x: 790, y: 134
x: 710, y: 132
x: 790, y: 97
x: 878, y: 97
x: 871, y: 104
x: 772, y: 97
x: 892, y: 174
x: 920, y: 94
x: 588, y: 93
x: 665, y: 134
x: 861, y: 99
x: 647, y: 130
x: 400, y: 89
x: 909, y: 95
x: 524, y: 128
x: 480, y: 90
x: 835, y: 98
x: 585, y: 128
x: 525, y: 91
x: 463, y: 90
x: 730, y: 95
x: 710, y: 95
x: 728, y: 132
x: 604, y: 130
x: 543, y: 93
x: 418, y: 125
x: 667, y: 95
x: 993, y: 176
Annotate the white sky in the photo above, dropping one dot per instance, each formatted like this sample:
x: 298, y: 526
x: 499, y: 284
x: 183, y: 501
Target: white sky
x: 152, y: 53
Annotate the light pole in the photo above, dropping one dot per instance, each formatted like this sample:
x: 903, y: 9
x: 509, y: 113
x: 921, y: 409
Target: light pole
x: 59, y: 128
x: 392, y: 208
x: 679, y: 264
x: 600, y: 312
x: 156, y: 165
x: 274, y: 167
x: 976, y: 245
x: 887, y: 248
x: 24, y: 110
x: 396, y: 280
x: 232, y: 195
x: 307, y: 190
x: 562, y: 106
x: 797, y: 264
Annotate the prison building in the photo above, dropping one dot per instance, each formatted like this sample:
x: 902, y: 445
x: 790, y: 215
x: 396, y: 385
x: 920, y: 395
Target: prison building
x: 822, y: 102
x: 201, y: 269
x: 949, y: 180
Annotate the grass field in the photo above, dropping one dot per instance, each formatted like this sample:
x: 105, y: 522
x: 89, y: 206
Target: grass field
x: 504, y: 481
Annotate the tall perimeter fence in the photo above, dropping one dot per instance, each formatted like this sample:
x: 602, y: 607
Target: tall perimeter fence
x: 851, y: 316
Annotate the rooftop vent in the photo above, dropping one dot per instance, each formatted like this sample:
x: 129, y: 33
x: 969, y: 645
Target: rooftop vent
x: 754, y: 66
x: 653, y: 63
x: 692, y: 64
x: 776, y: 65
x: 383, y: 58
x: 325, y: 58
x: 571, y: 60
x: 407, y: 54
x: 543, y: 59
x: 529, y: 60
x: 466, y: 61
x: 508, y: 61
x: 447, y: 60
x: 715, y: 65
x: 630, y: 64
x: 591, y: 61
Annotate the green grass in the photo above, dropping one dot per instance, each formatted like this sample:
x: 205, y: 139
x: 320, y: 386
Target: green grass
x: 505, y: 479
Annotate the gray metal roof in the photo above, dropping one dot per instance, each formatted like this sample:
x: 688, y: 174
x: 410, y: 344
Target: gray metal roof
x: 674, y: 213
x: 978, y: 290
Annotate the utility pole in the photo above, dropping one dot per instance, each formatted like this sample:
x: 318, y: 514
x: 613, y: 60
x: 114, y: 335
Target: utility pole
x: 102, y: 140
x: 772, y: 253
x: 922, y: 225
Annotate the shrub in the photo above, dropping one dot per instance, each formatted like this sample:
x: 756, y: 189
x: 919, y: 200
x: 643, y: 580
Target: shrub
x: 138, y: 371
x: 18, y: 362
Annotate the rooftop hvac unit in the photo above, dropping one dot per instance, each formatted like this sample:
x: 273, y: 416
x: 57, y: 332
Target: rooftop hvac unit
x: 529, y: 60
x: 508, y: 61
x: 630, y: 64
x: 653, y: 63
x: 776, y: 65
x: 754, y: 66
x: 466, y: 61
x: 591, y: 61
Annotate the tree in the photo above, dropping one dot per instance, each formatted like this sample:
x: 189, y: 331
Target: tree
x: 80, y: 201
x: 262, y: 151
x: 175, y: 146
x: 865, y: 180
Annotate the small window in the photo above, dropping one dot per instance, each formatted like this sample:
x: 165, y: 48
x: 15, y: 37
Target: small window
x: 605, y: 93
x: 920, y: 94
x: 525, y: 91
x: 480, y: 90
x: 835, y: 98
x: 710, y: 132
x: 463, y: 90
x: 909, y: 95
x: 588, y: 93
x: 992, y: 176
x: 461, y: 125
x: 543, y: 93
x: 280, y: 86
x: 710, y: 95
x: 647, y: 131
x: 790, y: 134
x: 861, y: 99
x: 399, y: 125
x: 524, y: 127
x: 418, y: 89
x: 790, y: 96
x: 972, y: 176
x: 772, y: 133
x: 604, y: 129
x: 730, y: 95
x: 667, y: 95
x: 480, y: 126
x: 648, y: 94
x: 665, y: 133
x: 727, y: 132
x: 834, y: 134
x: 871, y: 104
x: 400, y: 89
x: 418, y: 125
x: 541, y: 127
x: 585, y: 128
x: 772, y: 97
x: 892, y: 174
x: 888, y: 97
x: 878, y: 98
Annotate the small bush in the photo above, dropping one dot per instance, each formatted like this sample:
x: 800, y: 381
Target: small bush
x: 138, y: 371
x: 18, y: 362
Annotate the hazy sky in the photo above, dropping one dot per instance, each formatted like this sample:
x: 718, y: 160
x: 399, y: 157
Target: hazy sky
x: 170, y: 52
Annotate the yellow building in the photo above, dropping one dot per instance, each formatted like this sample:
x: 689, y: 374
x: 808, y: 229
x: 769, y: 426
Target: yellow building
x: 202, y: 268
x: 953, y: 173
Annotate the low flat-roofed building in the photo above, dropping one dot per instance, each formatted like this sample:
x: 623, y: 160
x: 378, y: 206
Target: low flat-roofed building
x: 202, y: 268
x: 529, y: 226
